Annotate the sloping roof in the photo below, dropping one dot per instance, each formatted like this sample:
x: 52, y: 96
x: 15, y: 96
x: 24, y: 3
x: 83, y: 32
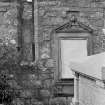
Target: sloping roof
x: 90, y: 66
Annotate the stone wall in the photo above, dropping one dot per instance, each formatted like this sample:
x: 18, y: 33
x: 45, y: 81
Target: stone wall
x: 52, y: 13
x: 8, y: 23
x: 16, y: 27
x: 91, y: 92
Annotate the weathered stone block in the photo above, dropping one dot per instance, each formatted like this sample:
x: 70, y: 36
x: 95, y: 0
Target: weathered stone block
x: 96, y: 23
x: 83, y: 3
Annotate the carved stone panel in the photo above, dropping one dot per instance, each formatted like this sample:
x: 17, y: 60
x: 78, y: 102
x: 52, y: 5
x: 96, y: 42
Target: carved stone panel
x: 73, y: 26
x: 72, y: 30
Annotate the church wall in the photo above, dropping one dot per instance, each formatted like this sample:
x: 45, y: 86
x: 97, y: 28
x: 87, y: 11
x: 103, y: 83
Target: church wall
x: 52, y: 13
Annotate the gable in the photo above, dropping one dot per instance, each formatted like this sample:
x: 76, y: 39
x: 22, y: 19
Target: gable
x: 73, y: 26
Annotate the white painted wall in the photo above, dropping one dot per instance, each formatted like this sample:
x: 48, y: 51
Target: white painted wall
x: 90, y: 93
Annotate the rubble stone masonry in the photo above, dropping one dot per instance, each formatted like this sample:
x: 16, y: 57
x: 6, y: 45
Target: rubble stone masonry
x: 8, y: 22
x: 52, y: 13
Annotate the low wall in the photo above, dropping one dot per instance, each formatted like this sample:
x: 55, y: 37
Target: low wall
x: 90, y: 93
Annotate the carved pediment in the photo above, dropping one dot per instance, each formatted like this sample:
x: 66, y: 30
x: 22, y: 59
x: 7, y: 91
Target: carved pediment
x: 73, y: 26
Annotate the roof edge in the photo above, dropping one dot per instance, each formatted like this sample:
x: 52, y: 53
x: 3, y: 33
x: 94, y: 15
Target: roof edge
x: 85, y: 75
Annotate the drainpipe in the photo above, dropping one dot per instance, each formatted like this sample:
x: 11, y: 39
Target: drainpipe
x: 33, y: 43
x: 36, y: 29
x: 76, y: 89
